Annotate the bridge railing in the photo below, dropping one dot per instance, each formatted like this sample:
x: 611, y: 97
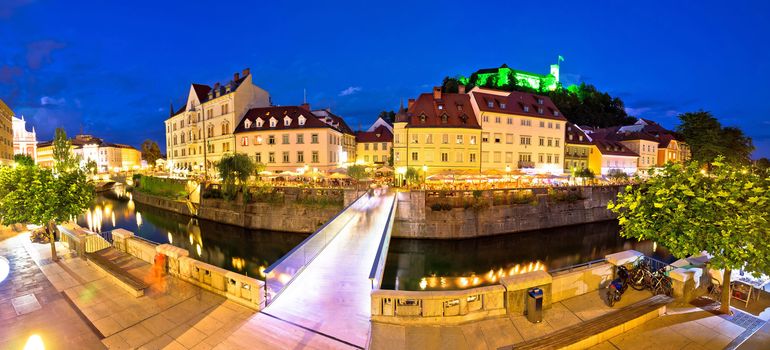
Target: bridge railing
x: 382, y: 250
x: 284, y: 270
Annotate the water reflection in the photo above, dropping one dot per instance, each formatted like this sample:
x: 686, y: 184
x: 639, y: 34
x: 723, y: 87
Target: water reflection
x: 229, y: 247
x: 415, y: 264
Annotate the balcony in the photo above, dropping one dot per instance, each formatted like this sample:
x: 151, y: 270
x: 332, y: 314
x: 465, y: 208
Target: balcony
x: 526, y: 165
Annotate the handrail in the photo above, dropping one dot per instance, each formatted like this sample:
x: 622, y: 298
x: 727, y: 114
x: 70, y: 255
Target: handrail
x: 382, y: 249
x: 571, y: 268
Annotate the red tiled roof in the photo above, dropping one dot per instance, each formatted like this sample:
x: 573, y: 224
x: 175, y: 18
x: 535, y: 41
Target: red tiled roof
x: 515, y: 102
x: 576, y: 133
x: 293, y: 112
x: 450, y: 111
x: 202, y: 91
x: 613, y: 148
x: 381, y: 134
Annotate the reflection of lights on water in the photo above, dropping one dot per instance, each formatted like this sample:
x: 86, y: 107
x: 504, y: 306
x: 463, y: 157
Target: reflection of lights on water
x: 170, y: 239
x: 262, y: 271
x: 138, y: 219
x: 113, y: 219
x: 34, y: 342
x: 654, y: 246
x: 198, y: 249
x: 238, y: 263
x: 191, y: 239
x: 490, y: 277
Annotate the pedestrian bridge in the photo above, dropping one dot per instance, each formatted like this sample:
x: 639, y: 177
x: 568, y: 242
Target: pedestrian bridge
x: 323, y: 285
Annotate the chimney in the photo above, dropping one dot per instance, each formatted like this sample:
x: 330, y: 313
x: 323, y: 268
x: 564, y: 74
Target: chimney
x: 305, y: 106
x: 460, y: 89
x: 236, y: 76
x: 409, y: 103
x: 246, y: 72
x: 436, y: 93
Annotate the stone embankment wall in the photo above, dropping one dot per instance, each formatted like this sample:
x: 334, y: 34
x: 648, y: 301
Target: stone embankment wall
x: 286, y: 216
x: 467, y: 214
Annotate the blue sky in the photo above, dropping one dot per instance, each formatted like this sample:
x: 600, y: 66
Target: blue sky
x: 111, y: 69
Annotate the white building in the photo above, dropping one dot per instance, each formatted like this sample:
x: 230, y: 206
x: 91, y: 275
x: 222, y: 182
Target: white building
x: 24, y: 142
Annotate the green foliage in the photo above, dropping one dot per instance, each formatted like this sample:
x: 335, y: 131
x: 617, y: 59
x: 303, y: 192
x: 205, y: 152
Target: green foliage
x: 357, y: 172
x: 617, y: 175
x: 23, y: 160
x: 584, y: 173
x: 723, y: 212
x: 762, y: 164
x: 388, y: 116
x: 91, y: 167
x: 413, y: 176
x: 235, y: 168
x: 150, y: 152
x: 708, y: 139
x: 259, y: 167
x: 441, y: 206
x: 569, y: 195
x: 162, y: 187
x: 64, y: 159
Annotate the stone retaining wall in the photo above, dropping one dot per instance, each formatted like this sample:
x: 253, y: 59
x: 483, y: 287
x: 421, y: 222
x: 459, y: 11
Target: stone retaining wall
x: 467, y: 214
x: 179, y: 207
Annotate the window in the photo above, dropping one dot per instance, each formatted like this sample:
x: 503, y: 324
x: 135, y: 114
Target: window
x: 210, y: 113
x: 286, y: 121
x: 314, y: 138
x: 415, y: 138
x: 542, y: 141
x: 445, y: 138
x: 271, y: 157
x: 258, y: 157
x: 556, y: 141
x: 183, y: 152
x: 300, y: 139
x: 374, y: 158
x: 526, y: 140
x: 273, y: 122
x: 271, y: 139
x: 542, y: 124
x: 440, y: 107
x: 459, y: 139
x: 300, y: 157
x: 259, y: 122
x: 539, y: 110
x: 397, y: 155
x: 181, y: 138
x: 549, y: 158
x: 459, y: 157
x: 498, y: 138
x: 550, y: 125
x: 245, y: 141
x: 473, y: 139
x: 502, y: 105
x: 385, y: 145
x: 510, y: 121
x: 526, y: 108
x: 490, y: 104
x: 375, y: 146
x: 301, y: 120
x: 224, y: 108
x: 540, y: 158
x: 366, y: 159
x: 384, y: 159
x: 508, y: 157
x: 366, y: 147
x: 558, y: 126
x: 496, y: 157
x: 485, y: 157
x: 556, y: 158
x: 428, y: 140
x: 485, y: 119
x: 525, y: 157
x: 550, y: 142
x: 526, y: 122
x: 247, y: 124
x: 285, y: 157
x: 314, y: 157
x: 225, y: 147
x: 257, y: 140
x: 485, y: 137
x: 539, y: 101
x: 497, y: 120
x: 285, y: 139
x: 414, y: 156
x: 472, y: 157
x: 509, y: 138
x: 175, y: 154
x: 444, y: 157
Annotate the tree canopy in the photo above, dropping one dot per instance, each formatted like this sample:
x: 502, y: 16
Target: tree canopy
x: 235, y: 168
x: 688, y: 210
x: 23, y: 160
x: 64, y: 159
x: 708, y: 139
x: 150, y: 152
x: 357, y: 172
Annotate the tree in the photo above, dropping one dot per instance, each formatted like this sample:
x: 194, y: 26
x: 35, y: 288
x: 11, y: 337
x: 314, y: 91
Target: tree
x: 388, y: 116
x: 412, y: 175
x: 357, y: 172
x: 708, y: 139
x: 23, y: 160
x: 64, y: 159
x: 91, y: 167
x: 450, y: 85
x: 762, y: 164
x: 31, y: 194
x: 687, y: 210
x: 235, y: 169
x: 259, y: 167
x: 150, y: 152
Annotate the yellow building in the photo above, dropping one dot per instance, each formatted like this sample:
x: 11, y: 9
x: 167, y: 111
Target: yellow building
x: 671, y: 150
x: 349, y: 149
x: 612, y: 156
x: 198, y: 134
x: 374, y: 147
x: 6, y: 133
x: 45, y: 154
x: 520, y: 130
x: 292, y: 138
x: 438, y: 132
x: 578, y: 148
x: 108, y: 157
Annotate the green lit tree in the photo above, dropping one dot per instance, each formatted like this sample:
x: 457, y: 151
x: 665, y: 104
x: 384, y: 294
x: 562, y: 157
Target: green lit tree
x: 413, y: 176
x: 235, y: 169
x: 64, y: 159
x: 357, y: 172
x: 34, y: 195
x: 23, y: 160
x: 91, y: 167
x: 687, y: 210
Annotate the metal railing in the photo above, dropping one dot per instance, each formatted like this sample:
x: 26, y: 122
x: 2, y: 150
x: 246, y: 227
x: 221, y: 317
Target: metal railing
x: 585, y: 265
x: 375, y: 275
x: 282, y: 272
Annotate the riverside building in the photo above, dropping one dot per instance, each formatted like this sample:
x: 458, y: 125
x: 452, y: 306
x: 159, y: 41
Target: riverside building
x: 6, y: 134
x: 24, y: 142
x: 108, y: 157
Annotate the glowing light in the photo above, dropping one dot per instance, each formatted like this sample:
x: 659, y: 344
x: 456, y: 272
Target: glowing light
x: 423, y: 283
x: 34, y: 342
x: 138, y: 219
x: 198, y: 249
x: 191, y: 239
x: 262, y: 271
x: 113, y: 219
x: 170, y: 239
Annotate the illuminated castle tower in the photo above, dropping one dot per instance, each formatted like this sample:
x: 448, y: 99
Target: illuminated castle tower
x: 500, y: 77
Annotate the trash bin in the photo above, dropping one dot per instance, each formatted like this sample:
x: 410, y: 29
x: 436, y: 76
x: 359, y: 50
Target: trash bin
x: 535, y: 305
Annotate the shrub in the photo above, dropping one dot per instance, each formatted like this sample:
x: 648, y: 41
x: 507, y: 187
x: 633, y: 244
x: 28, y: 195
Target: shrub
x: 569, y: 196
x: 168, y: 188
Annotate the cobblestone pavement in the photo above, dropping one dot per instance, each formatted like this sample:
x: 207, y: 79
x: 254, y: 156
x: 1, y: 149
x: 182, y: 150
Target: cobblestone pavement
x: 31, y: 305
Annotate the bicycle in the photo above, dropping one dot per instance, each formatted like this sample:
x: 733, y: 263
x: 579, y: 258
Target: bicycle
x: 661, y: 283
x: 641, y: 277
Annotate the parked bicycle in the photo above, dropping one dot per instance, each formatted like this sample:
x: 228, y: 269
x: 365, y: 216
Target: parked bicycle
x: 657, y: 281
x: 618, y: 286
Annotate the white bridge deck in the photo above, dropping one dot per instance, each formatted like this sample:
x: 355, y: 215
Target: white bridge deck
x: 328, y: 304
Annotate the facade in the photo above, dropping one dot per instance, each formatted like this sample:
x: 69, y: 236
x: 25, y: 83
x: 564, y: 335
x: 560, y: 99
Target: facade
x: 438, y: 132
x: 348, y: 136
x: 292, y: 138
x: 373, y: 147
x: 578, y: 148
x: 520, y: 130
x: 199, y: 133
x: 671, y: 150
x: 612, y: 156
x: 107, y: 156
x: 24, y: 142
x: 6, y: 134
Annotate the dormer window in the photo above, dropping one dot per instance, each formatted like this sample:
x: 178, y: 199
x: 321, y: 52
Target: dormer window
x: 539, y: 101
x: 441, y: 107
x: 526, y: 108
x: 502, y: 105
x: 556, y: 113
x: 259, y: 122
x: 580, y: 137
x: 490, y: 104
x: 247, y: 124
x: 444, y: 118
x: 273, y: 122
x: 286, y: 121
x: 464, y: 119
x: 423, y: 118
x: 459, y: 107
x: 540, y: 110
x: 301, y: 120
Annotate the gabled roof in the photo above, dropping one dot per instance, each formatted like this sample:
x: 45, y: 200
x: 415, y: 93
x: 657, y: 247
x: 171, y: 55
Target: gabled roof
x: 613, y: 148
x: 202, y: 91
x: 515, y: 102
x: 338, y: 122
x: 576, y: 132
x: 447, y: 111
x: 279, y: 113
x: 380, y: 134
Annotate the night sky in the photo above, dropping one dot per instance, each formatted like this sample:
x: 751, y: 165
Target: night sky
x: 112, y: 69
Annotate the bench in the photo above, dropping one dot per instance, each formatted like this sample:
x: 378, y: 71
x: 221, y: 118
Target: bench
x: 115, y: 263
x: 612, y: 324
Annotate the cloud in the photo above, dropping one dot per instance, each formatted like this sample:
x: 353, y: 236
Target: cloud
x: 350, y: 90
x: 39, y: 52
x: 636, y: 111
x: 51, y: 101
